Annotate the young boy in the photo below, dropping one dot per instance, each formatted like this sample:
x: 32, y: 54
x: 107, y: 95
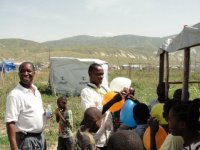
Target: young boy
x: 171, y: 141
x: 63, y: 117
x: 91, y: 123
x: 141, y: 116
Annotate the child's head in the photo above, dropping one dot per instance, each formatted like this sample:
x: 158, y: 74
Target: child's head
x: 178, y: 93
x: 125, y: 140
x: 161, y: 92
x: 183, y: 118
x: 141, y: 113
x: 166, y: 108
x: 61, y: 102
x: 92, y: 119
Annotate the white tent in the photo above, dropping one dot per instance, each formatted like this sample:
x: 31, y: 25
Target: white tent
x: 69, y: 75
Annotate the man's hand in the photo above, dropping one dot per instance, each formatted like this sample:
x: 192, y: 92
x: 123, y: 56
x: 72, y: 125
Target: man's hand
x: 129, y: 94
x: 50, y: 116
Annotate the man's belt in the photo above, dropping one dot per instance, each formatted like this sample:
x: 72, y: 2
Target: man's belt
x: 29, y: 134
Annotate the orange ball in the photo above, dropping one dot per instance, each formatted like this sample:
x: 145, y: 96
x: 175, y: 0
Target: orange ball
x: 160, y: 137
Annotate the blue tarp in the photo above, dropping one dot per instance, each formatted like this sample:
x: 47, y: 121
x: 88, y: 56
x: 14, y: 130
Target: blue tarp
x: 7, y: 66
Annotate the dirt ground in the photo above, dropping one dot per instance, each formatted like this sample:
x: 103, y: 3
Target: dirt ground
x: 53, y: 147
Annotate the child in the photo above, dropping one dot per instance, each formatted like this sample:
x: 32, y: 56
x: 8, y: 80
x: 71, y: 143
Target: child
x: 178, y: 93
x: 91, y: 124
x: 183, y: 121
x: 63, y: 117
x: 141, y: 116
x: 171, y: 141
x: 160, y: 90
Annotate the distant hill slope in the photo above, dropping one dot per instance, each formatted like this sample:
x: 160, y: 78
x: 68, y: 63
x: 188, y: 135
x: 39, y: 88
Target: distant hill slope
x: 130, y: 46
x: 20, y: 45
x: 121, y: 41
x: 124, y: 47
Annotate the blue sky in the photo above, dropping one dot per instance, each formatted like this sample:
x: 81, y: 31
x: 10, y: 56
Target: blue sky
x: 44, y: 20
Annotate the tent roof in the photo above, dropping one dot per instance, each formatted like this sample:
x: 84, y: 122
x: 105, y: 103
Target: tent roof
x: 81, y: 59
x: 188, y: 37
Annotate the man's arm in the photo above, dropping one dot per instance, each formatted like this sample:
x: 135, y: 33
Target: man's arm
x: 11, y: 135
x: 57, y: 114
x: 118, y: 97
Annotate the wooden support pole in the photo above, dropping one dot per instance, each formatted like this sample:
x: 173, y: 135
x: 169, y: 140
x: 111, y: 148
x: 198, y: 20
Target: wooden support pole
x: 186, y: 68
x: 161, y: 67
x: 167, y: 74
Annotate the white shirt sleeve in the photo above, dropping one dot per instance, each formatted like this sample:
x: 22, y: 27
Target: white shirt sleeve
x: 90, y: 98
x: 12, y: 108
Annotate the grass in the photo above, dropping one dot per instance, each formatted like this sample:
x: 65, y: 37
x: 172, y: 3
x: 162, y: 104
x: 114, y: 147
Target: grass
x: 144, y: 82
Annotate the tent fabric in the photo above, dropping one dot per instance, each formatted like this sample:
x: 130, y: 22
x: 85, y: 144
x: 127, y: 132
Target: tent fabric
x: 164, y: 46
x: 188, y: 37
x: 69, y: 75
x: 7, y: 66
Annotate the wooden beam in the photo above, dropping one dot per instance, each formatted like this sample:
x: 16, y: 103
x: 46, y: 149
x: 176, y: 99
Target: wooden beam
x: 180, y: 82
x: 161, y: 67
x: 167, y: 74
x: 186, y: 68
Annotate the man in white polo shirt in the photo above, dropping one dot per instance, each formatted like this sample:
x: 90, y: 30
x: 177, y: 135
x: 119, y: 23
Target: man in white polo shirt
x: 24, y: 112
x: 92, y: 96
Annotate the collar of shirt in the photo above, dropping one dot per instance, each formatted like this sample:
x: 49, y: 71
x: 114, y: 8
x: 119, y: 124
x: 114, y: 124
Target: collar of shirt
x: 92, y: 85
x: 101, y: 90
x: 25, y: 90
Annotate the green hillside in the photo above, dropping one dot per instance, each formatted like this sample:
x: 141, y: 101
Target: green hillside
x: 126, y: 48
x: 117, y: 42
x: 120, y: 49
x: 20, y: 45
x: 19, y: 49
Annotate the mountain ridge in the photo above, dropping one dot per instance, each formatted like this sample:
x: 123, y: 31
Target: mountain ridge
x: 123, y: 47
x: 120, y: 40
